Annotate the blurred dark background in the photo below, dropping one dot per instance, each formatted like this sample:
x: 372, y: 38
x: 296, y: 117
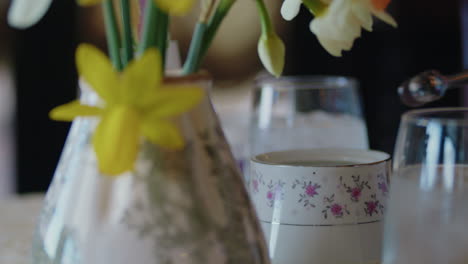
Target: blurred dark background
x: 431, y: 35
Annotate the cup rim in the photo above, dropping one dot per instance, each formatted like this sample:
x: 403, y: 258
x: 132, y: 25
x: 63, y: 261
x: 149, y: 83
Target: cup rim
x: 263, y: 158
x: 306, y: 82
x: 424, y: 116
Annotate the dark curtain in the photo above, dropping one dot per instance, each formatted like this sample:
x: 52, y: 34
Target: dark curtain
x: 428, y: 37
x: 45, y: 77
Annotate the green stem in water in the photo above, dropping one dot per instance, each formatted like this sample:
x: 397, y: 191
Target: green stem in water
x: 317, y: 7
x: 127, y: 32
x: 112, y: 33
x: 193, y: 58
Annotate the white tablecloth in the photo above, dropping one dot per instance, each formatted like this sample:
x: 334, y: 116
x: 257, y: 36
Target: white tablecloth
x: 17, y: 222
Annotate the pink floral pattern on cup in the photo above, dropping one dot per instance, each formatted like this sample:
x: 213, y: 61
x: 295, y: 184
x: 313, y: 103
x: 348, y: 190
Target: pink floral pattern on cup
x: 310, y: 190
x: 271, y: 195
x: 356, y: 193
x: 345, y: 198
x: 356, y: 190
x: 382, y: 185
x: 255, y: 185
x: 373, y: 206
x: 337, y: 210
x: 275, y: 192
x: 255, y: 182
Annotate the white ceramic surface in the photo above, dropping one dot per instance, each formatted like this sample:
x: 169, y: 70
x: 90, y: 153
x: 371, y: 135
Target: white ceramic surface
x: 321, y: 214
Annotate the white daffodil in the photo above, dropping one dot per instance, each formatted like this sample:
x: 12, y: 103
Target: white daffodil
x: 25, y: 13
x: 338, y: 23
x: 290, y: 9
x: 338, y: 27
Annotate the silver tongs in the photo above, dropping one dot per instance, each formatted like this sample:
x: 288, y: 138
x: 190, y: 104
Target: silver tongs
x: 429, y: 86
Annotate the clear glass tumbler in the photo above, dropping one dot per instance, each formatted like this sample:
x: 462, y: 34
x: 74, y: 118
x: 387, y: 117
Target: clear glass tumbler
x: 306, y: 112
x: 428, y: 208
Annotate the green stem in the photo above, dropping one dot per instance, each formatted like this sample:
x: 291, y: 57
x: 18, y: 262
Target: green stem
x: 155, y: 30
x: 264, y: 17
x: 211, y: 30
x: 317, y: 7
x: 148, y: 38
x: 112, y: 33
x: 193, y: 58
x: 162, y: 28
x: 127, y: 32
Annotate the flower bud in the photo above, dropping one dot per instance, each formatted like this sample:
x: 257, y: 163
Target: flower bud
x: 272, y: 51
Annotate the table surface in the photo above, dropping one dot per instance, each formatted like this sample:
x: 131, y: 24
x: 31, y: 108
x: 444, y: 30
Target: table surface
x: 17, y: 222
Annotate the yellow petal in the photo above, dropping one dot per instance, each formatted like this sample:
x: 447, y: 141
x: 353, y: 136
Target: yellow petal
x: 175, y: 7
x: 271, y: 51
x: 116, y: 140
x: 174, y: 100
x: 68, y: 112
x: 96, y: 69
x: 141, y: 78
x: 163, y: 133
x: 88, y: 2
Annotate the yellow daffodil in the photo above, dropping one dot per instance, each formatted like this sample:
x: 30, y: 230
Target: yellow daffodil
x: 25, y: 13
x: 338, y: 23
x: 136, y: 103
x: 172, y: 7
x: 175, y: 7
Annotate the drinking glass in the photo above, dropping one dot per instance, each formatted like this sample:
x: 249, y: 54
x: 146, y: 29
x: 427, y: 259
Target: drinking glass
x: 306, y: 112
x: 428, y: 207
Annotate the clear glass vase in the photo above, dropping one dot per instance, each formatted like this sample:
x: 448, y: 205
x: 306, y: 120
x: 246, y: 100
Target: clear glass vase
x: 186, y: 206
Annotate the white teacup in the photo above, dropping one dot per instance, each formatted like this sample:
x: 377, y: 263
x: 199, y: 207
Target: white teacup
x: 321, y: 205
